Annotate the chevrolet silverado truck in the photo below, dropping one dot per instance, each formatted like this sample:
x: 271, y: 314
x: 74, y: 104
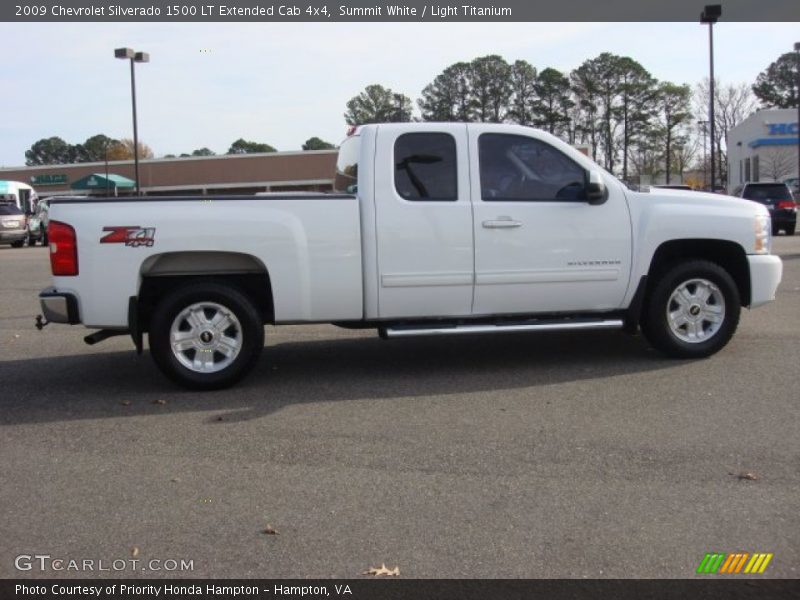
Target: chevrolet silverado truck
x: 434, y: 229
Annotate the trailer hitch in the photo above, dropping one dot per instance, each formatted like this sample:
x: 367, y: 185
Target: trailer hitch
x: 41, y: 323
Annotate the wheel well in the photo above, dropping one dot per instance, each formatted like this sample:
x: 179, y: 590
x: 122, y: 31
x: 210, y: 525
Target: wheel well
x: 162, y: 273
x: 729, y: 255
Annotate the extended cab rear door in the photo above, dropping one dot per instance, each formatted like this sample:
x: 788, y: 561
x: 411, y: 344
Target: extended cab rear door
x: 423, y: 219
x: 539, y: 245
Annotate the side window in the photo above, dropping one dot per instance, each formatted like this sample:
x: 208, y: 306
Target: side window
x: 425, y: 166
x: 514, y: 167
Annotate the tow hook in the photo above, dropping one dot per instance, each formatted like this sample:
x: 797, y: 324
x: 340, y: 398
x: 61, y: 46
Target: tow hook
x: 41, y: 323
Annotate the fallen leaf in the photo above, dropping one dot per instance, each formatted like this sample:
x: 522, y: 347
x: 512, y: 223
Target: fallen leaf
x: 269, y: 530
x: 383, y: 571
x: 220, y: 418
x: 126, y: 403
x: 159, y: 401
x: 174, y: 480
x: 135, y: 551
x: 746, y: 476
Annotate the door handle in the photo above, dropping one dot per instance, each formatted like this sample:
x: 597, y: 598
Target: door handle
x: 502, y: 223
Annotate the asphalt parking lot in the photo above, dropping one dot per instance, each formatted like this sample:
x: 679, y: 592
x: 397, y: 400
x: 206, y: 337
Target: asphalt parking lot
x: 511, y: 456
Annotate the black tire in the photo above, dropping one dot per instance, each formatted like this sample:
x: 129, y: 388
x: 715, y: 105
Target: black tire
x: 790, y: 229
x: 708, y: 337
x: 44, y: 238
x: 775, y: 229
x: 249, y: 332
x: 18, y: 244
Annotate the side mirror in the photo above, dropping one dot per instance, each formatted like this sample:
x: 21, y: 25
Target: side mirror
x: 596, y: 190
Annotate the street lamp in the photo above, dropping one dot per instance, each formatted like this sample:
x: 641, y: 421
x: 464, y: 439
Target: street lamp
x: 797, y: 98
x: 134, y: 57
x: 710, y: 14
x: 703, y: 125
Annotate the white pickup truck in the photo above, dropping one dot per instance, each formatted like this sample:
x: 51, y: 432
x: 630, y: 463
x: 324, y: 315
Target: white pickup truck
x: 438, y: 229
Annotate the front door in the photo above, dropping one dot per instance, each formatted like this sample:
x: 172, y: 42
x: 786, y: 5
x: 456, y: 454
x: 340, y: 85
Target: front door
x: 539, y: 245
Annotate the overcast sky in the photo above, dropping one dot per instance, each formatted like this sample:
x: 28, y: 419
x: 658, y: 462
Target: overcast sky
x: 209, y: 84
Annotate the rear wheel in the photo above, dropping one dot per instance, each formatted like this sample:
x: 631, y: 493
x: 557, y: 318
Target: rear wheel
x: 206, y: 335
x: 693, y: 310
x: 790, y: 229
x: 18, y: 244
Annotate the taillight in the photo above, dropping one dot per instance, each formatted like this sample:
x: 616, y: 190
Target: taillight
x: 786, y: 204
x: 63, y: 249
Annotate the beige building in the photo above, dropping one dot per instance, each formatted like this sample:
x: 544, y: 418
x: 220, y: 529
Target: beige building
x: 229, y: 174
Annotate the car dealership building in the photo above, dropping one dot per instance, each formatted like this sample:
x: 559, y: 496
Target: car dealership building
x: 229, y: 174
x: 763, y: 147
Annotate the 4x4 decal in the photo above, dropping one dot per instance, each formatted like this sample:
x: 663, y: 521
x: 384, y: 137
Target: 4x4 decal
x: 131, y: 235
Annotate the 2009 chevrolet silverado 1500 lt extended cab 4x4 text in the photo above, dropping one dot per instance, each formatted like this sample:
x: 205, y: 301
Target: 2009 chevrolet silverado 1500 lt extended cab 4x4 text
x: 437, y: 229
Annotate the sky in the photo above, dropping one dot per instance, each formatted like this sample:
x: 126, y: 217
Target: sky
x: 210, y: 84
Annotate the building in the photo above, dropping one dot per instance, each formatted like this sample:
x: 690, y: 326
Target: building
x: 229, y: 174
x: 763, y: 147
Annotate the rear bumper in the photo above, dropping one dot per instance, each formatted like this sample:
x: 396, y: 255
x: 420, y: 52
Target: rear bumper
x: 13, y: 236
x: 59, y: 307
x: 765, y: 275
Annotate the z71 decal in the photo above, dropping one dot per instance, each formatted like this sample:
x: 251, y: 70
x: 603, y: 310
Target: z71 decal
x: 133, y: 236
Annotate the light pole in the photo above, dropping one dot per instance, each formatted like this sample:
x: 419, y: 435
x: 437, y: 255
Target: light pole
x: 797, y: 97
x: 703, y: 125
x: 710, y: 14
x: 134, y: 57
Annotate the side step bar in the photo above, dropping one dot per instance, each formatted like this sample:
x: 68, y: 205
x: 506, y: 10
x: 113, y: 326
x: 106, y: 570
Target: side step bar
x: 565, y: 325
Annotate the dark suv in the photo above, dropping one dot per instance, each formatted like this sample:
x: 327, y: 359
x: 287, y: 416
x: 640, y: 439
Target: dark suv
x: 778, y: 199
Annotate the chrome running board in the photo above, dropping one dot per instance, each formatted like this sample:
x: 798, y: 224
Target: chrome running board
x: 565, y: 325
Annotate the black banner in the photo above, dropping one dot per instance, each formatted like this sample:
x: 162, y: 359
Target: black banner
x: 401, y: 589
x: 292, y: 11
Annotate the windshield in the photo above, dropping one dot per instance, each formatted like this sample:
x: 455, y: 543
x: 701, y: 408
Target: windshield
x: 346, y: 179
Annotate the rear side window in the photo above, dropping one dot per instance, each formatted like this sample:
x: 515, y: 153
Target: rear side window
x: 778, y: 191
x: 346, y: 178
x: 425, y: 166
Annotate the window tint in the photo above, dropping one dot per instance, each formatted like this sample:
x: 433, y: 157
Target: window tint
x: 514, y: 167
x: 765, y: 192
x: 9, y: 209
x: 425, y: 166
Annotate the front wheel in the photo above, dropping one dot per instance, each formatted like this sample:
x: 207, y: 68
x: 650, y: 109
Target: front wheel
x: 692, y: 311
x: 206, y: 335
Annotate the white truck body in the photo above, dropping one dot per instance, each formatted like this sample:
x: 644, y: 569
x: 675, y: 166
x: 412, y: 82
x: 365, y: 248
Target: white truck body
x: 379, y: 258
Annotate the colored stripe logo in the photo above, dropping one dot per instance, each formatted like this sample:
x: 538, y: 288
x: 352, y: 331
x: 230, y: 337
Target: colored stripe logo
x: 719, y: 563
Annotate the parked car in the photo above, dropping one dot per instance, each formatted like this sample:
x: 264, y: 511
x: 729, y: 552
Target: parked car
x: 37, y: 224
x: 778, y: 199
x: 13, y: 225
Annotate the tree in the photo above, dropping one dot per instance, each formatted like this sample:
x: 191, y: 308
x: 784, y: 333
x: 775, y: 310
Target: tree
x: 776, y: 86
x: 377, y: 104
x: 94, y: 148
x: 675, y: 113
x: 553, y: 102
x: 777, y: 164
x: 732, y: 104
x: 242, y: 146
x: 637, y: 99
x: 314, y: 143
x: 123, y: 150
x: 48, y: 151
x: 203, y: 152
x: 596, y: 83
x: 522, y: 105
x: 491, y: 88
x: 449, y: 96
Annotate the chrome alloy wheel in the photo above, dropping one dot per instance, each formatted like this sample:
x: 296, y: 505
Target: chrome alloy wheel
x: 205, y: 337
x: 695, y: 311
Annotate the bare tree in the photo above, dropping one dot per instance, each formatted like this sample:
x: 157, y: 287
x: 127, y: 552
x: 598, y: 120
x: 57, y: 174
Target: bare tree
x: 733, y: 103
x: 777, y: 164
